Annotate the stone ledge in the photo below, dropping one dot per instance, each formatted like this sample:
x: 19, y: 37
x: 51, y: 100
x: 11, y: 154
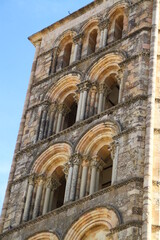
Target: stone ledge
x: 72, y: 204
x: 82, y: 123
x: 102, y: 50
x: 122, y: 227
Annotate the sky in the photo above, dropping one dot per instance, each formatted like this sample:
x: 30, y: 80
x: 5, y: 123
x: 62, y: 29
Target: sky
x: 18, y: 20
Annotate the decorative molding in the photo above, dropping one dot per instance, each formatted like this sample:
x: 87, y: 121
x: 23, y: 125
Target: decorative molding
x: 82, y: 123
x: 98, y: 52
x: 72, y: 204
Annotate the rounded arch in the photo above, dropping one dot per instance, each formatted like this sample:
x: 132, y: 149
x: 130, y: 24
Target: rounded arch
x: 104, y: 218
x: 89, y: 24
x: 98, y: 136
x: 55, y: 156
x: 117, y: 6
x: 44, y: 236
x: 68, y: 34
x: 65, y: 86
x: 118, y: 21
x: 108, y: 62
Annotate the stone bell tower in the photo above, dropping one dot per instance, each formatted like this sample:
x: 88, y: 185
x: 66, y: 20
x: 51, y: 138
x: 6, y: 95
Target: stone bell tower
x: 86, y: 162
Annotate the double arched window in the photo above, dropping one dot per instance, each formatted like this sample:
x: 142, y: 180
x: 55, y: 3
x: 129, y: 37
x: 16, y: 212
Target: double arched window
x: 71, y: 100
x: 94, y: 35
x: 61, y: 174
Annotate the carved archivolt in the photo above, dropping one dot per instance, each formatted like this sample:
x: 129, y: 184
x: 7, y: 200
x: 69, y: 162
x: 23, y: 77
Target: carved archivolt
x: 44, y: 236
x: 99, y: 221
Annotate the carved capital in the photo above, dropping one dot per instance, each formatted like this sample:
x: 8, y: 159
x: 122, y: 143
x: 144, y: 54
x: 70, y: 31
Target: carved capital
x: 78, y: 39
x: 112, y: 148
x: 84, y: 86
x: 102, y: 88
x: 103, y: 24
x: 95, y: 161
x: 76, y: 159
x: 31, y: 179
x: 119, y: 76
x: 62, y: 108
x: 40, y: 179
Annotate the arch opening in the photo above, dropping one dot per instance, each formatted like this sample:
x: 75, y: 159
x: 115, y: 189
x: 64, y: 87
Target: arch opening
x: 93, y: 225
x: 112, y: 91
x: 92, y: 41
x: 118, y: 30
x: 70, y: 116
x: 67, y: 55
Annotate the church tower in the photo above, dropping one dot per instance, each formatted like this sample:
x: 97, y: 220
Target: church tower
x: 87, y: 158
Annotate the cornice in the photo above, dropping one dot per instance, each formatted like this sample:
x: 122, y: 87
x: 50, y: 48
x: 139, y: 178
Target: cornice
x: 72, y: 204
x: 82, y: 123
x: 33, y: 38
x: 98, y: 52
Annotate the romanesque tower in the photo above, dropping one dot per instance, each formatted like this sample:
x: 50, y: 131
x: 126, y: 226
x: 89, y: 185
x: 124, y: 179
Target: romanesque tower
x: 86, y: 162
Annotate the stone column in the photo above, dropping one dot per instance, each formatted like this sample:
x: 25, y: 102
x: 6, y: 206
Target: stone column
x: 54, y: 186
x: 38, y: 196
x: 92, y: 101
x: 51, y: 200
x: 101, y: 98
x: 101, y: 39
x: 79, y: 107
x: 43, y: 122
x: 120, y: 83
x: 94, y: 165
x: 76, y: 162
x: 78, y: 45
x: 54, y: 61
x: 28, y: 198
x: 55, y: 120
x: 51, y: 119
x: 103, y: 25
x: 99, y: 170
x: 66, y: 110
x: 62, y: 110
x: 47, y: 195
x: 84, y: 99
x: 114, y: 155
x: 85, y: 166
x: 68, y: 173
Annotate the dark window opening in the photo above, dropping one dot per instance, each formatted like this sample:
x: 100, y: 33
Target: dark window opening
x: 67, y: 54
x: 106, y: 173
x: 71, y: 116
x: 58, y: 197
x: 118, y: 28
x: 92, y: 42
x: 113, y: 95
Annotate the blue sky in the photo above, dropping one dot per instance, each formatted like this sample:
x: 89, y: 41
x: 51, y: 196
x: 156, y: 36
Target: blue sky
x: 18, y: 20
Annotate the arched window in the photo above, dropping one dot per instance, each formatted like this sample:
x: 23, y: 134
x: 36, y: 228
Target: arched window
x: 106, y: 174
x: 118, y: 28
x: 92, y: 41
x: 112, y: 93
x: 67, y: 54
x: 58, y: 197
x: 70, y: 117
